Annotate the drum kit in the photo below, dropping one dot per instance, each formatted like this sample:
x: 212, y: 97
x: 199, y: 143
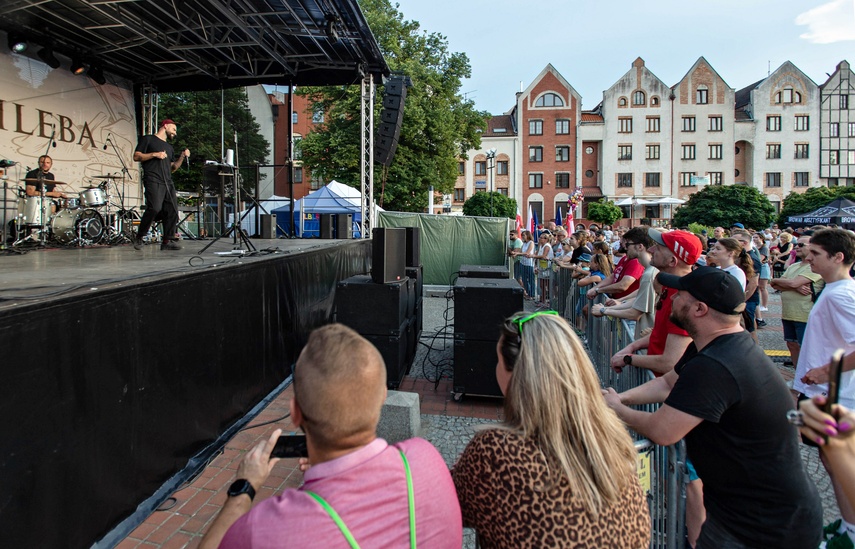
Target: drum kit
x: 86, y: 219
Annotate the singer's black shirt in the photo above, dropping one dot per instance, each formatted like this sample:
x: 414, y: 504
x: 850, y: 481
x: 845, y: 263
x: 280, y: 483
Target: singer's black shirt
x: 156, y: 171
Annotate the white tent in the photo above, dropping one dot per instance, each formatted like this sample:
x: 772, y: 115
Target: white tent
x: 248, y: 223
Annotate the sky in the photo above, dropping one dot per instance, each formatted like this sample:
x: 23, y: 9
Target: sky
x: 592, y: 44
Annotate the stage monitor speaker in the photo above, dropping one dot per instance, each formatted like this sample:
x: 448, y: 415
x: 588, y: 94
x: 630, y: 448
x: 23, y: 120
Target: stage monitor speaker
x: 481, y: 305
x: 484, y: 271
x: 344, y: 226
x: 414, y: 240
x: 475, y: 368
x: 371, y: 308
x: 417, y: 274
x: 388, y: 254
x: 395, y: 350
x: 326, y: 226
x: 268, y: 226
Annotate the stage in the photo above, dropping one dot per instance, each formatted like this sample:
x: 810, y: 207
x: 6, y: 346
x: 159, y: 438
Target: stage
x: 124, y: 368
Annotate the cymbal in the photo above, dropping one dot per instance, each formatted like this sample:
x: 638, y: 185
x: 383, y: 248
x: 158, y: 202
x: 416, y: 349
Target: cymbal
x: 51, y: 181
x: 108, y: 176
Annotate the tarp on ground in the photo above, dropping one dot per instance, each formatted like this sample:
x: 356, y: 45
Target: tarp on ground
x: 840, y: 211
x: 332, y: 198
x: 447, y: 242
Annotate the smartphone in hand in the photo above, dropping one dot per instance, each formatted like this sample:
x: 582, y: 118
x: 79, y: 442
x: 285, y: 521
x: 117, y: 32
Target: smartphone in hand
x: 835, y: 370
x: 290, y: 446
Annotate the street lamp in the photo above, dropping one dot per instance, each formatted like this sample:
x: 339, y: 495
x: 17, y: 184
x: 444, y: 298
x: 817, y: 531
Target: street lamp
x: 491, y: 164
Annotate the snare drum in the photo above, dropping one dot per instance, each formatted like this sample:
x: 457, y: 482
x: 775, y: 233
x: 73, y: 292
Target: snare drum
x: 68, y: 225
x: 69, y: 203
x: 28, y: 211
x: 93, y: 197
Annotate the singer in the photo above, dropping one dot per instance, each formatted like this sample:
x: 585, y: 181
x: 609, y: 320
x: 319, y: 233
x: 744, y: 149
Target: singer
x: 161, y: 203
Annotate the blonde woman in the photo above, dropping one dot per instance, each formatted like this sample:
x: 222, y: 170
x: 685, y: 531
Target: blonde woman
x: 785, y: 246
x: 560, y: 470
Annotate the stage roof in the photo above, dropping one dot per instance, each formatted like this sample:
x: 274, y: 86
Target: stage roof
x: 184, y: 45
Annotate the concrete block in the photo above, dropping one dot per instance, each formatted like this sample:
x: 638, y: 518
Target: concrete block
x: 400, y: 417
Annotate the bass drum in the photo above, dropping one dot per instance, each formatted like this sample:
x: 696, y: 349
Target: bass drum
x: 69, y: 225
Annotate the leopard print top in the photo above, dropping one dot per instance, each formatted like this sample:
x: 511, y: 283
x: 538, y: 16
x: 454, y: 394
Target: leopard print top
x: 496, y: 479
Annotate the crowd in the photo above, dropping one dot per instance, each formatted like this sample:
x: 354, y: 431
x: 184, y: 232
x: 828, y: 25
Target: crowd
x: 560, y: 469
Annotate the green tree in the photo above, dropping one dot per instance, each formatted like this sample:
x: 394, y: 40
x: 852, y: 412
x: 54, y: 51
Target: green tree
x: 604, y: 212
x: 438, y: 127
x: 198, y: 116
x: 724, y: 205
x: 797, y: 203
x: 480, y: 204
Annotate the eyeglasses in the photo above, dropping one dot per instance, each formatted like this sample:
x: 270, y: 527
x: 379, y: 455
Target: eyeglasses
x: 520, y: 321
x: 662, y: 297
x: 800, y: 245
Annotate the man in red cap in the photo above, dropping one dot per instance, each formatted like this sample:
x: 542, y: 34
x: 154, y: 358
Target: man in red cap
x: 161, y: 203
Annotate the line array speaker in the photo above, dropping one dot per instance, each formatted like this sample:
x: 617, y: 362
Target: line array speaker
x: 391, y: 119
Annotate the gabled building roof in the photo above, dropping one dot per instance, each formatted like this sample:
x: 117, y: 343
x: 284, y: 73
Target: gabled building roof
x: 592, y: 118
x: 700, y: 60
x: 500, y: 126
x: 743, y: 96
x: 550, y: 69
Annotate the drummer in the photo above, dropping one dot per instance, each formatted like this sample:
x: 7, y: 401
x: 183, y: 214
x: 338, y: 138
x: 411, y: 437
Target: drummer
x: 42, y: 174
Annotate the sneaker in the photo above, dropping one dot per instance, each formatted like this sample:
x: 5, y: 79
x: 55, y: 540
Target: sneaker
x: 170, y: 245
x: 761, y: 323
x: 840, y: 541
x: 762, y: 308
x: 138, y: 243
x: 831, y: 529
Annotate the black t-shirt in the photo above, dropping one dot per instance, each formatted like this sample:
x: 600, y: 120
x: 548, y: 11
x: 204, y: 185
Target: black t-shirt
x: 156, y: 170
x: 744, y: 450
x: 34, y: 174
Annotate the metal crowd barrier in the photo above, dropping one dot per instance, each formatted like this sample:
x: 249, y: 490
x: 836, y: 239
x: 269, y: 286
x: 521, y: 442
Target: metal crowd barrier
x: 662, y: 470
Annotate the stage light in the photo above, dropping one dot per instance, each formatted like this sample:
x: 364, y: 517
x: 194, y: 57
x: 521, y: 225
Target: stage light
x: 77, y: 66
x: 17, y: 43
x: 96, y: 73
x: 46, y: 55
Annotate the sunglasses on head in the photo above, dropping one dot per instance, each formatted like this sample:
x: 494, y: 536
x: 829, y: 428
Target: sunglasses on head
x: 520, y: 321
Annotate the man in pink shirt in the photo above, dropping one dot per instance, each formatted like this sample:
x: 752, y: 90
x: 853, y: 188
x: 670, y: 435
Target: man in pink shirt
x: 339, y: 389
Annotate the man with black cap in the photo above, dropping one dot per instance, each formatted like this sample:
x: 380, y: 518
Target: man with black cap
x: 730, y: 403
x: 161, y: 203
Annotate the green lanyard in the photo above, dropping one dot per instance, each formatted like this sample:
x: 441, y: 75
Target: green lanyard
x: 411, y: 503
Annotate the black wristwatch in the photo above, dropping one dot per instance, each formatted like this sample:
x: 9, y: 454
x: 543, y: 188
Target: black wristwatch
x: 627, y: 359
x: 241, y: 486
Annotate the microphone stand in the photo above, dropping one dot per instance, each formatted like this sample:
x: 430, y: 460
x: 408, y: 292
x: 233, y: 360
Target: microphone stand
x: 42, y: 214
x: 125, y: 173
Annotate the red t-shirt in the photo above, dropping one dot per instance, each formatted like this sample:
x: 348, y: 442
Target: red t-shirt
x: 628, y: 267
x: 662, y: 325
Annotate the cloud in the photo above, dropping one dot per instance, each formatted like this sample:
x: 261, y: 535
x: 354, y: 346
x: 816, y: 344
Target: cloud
x: 829, y: 23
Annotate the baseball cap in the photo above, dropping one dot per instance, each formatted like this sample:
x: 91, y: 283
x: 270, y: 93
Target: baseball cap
x: 585, y: 258
x: 738, y: 225
x: 167, y: 121
x: 683, y: 244
x: 719, y: 289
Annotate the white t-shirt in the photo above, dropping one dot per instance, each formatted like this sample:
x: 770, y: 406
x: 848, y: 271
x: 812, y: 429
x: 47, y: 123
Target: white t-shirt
x: 527, y: 248
x: 831, y: 326
x: 738, y: 273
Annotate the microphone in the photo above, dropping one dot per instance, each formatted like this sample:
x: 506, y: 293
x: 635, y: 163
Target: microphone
x: 109, y: 135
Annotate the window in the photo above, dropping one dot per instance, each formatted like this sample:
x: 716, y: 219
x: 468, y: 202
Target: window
x: 715, y: 152
x: 461, y: 168
x: 294, y: 117
x: 652, y: 124
x: 654, y: 101
x: 688, y: 152
x: 788, y: 95
x: 535, y: 181
x: 562, y: 127
x: 701, y: 96
x: 535, y: 127
x: 459, y: 195
x: 625, y: 125
x: 801, y: 150
x: 298, y: 148
x: 651, y: 152
x: 562, y: 153
x: 802, y: 122
x: 773, y: 179
x: 638, y: 98
x: 844, y: 101
x: 773, y: 150
x: 562, y: 180
x: 481, y: 167
x: 851, y: 129
x: 502, y: 191
x: 318, y: 116
x: 624, y: 152
x: 589, y: 173
x: 549, y: 100
x: 651, y: 212
x: 502, y: 167
x: 801, y: 179
x: 850, y: 157
x: 715, y: 123
x: 535, y: 154
x: 651, y: 179
x: 624, y: 180
x: 688, y: 123
x: 716, y: 178
x: 834, y: 129
x: 686, y: 179
x: 773, y: 123
x: 298, y: 174
x: 316, y: 183
x: 834, y: 157
x: 621, y: 102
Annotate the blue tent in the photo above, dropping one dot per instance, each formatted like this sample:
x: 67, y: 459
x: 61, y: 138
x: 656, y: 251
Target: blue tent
x: 333, y: 198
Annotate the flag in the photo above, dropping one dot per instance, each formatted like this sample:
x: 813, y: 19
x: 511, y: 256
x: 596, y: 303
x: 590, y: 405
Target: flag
x: 534, y: 224
x: 558, y: 217
x: 519, y: 224
x: 531, y: 226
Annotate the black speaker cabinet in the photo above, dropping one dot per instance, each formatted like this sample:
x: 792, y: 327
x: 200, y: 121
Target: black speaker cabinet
x: 388, y: 254
x: 394, y: 350
x: 371, y: 308
x: 475, y: 368
x: 417, y: 274
x: 327, y: 226
x: 344, y: 226
x: 414, y: 240
x: 268, y: 226
x: 482, y: 304
x: 484, y: 271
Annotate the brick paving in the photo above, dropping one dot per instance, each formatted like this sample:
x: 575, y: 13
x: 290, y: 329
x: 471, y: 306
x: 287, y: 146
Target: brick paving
x: 448, y: 424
